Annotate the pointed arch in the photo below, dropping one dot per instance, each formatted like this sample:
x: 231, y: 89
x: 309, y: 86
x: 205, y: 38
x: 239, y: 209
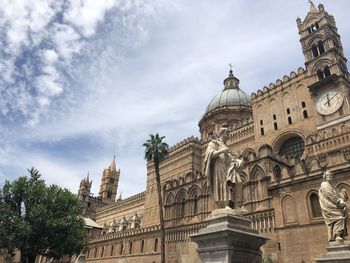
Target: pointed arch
x: 257, y: 173
x: 248, y: 155
x: 194, y: 191
x: 181, y: 195
x: 169, y: 200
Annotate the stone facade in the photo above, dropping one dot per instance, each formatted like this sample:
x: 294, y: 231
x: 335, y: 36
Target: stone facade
x: 288, y: 134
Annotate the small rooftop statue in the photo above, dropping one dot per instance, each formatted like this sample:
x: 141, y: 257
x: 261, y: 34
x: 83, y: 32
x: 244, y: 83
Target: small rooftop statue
x: 334, y: 209
x: 222, y: 171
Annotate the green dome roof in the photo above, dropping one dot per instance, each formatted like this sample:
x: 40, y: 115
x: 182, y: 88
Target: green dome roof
x: 230, y: 96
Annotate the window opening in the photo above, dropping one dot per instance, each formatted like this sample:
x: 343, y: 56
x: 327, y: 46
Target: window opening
x: 305, y: 115
x: 293, y: 147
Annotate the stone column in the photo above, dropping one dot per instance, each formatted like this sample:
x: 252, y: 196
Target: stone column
x: 337, y: 252
x: 228, y: 238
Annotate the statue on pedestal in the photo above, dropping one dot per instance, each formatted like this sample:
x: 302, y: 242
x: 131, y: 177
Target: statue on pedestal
x: 334, y: 209
x: 222, y: 171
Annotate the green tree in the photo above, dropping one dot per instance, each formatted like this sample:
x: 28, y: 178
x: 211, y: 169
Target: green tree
x: 39, y: 219
x: 156, y: 150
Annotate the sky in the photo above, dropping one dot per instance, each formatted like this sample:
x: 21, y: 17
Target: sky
x: 84, y: 80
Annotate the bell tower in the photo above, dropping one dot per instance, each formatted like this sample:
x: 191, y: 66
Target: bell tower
x: 325, y: 66
x: 84, y: 193
x: 109, y: 183
x: 321, y: 44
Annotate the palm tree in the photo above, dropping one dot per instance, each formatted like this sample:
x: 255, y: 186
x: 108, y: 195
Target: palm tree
x: 156, y: 150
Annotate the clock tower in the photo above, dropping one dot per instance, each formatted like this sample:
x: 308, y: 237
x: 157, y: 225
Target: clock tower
x: 326, y: 67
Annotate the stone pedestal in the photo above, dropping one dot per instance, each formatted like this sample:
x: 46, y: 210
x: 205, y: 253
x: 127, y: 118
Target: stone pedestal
x: 337, y: 252
x: 228, y: 238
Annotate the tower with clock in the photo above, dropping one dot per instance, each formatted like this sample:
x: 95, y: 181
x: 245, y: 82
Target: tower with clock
x: 326, y: 68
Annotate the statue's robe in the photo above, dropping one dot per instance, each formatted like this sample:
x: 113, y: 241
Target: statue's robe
x: 333, y: 213
x: 222, y: 176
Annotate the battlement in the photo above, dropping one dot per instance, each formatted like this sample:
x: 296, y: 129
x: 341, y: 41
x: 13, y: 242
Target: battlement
x: 184, y: 142
x: 277, y: 86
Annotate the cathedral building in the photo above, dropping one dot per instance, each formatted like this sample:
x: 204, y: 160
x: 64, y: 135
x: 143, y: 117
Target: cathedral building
x: 288, y: 134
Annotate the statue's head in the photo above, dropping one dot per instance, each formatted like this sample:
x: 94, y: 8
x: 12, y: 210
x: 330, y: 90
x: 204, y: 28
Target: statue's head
x: 328, y: 176
x: 223, y: 134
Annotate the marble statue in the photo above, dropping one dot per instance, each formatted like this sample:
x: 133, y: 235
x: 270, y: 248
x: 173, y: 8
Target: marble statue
x: 334, y: 209
x: 222, y: 171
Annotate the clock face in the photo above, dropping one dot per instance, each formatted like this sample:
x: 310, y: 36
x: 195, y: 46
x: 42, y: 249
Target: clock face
x: 329, y: 102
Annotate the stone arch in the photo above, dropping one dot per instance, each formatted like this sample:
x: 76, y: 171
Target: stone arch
x: 289, y: 210
x: 321, y: 64
x: 264, y: 150
x: 257, y: 173
x: 169, y: 200
x: 181, y: 203
x: 180, y: 195
x: 194, y: 196
x: 313, y: 204
x: 314, y: 40
x: 194, y: 190
x: 281, y: 138
x: 257, y: 189
x: 248, y: 155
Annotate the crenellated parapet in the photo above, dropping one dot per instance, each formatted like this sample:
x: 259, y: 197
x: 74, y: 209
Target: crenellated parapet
x: 278, y: 86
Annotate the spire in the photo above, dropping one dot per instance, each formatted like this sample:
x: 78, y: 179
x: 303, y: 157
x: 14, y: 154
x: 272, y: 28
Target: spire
x: 313, y: 8
x: 231, y: 82
x: 113, y: 166
x: 87, y: 178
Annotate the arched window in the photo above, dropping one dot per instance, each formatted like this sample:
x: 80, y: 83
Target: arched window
x: 289, y: 120
x: 293, y: 147
x: 314, y: 50
x: 130, y: 248
x: 320, y: 47
x: 305, y: 115
x: 155, y: 248
x: 289, y: 210
x: 274, y: 116
x: 142, y: 246
x: 288, y: 111
x: 102, y: 252
x: 109, y: 194
x: 326, y: 72
x: 315, y: 206
x: 95, y: 254
x: 303, y: 105
x: 261, y: 122
x: 317, y: 26
x: 112, y: 250
x: 309, y: 30
x: 277, y: 173
x: 275, y: 125
x: 262, y: 131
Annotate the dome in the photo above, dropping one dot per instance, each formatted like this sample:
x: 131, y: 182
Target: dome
x: 230, y: 96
